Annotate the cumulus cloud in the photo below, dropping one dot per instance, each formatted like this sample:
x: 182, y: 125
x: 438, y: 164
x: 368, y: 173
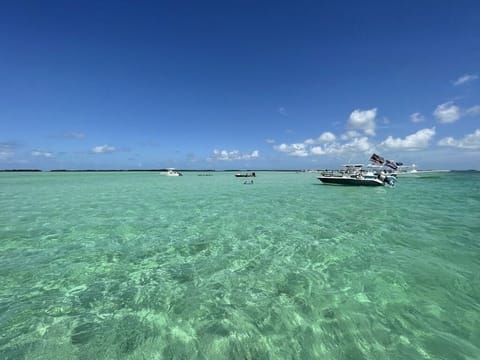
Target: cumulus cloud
x: 447, y: 112
x: 363, y: 120
x: 417, y: 141
x: 326, y: 137
x: 297, y: 149
x: 317, y: 150
x: 360, y: 144
x: 270, y: 141
x: 417, y: 117
x: 44, y: 154
x: 326, y: 146
x: 224, y: 155
x: 353, y: 146
x: 470, y: 141
x: 103, y: 149
x: 351, y: 134
x: 465, y: 79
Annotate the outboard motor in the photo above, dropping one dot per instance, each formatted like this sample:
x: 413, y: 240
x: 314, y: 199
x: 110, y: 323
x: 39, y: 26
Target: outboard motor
x: 390, y: 180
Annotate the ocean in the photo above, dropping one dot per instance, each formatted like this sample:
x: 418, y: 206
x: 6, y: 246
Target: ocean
x: 135, y: 265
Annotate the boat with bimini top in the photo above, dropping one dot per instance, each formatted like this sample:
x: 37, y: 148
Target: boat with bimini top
x: 359, y: 175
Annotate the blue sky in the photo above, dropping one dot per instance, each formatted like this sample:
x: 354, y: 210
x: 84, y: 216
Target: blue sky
x: 238, y: 84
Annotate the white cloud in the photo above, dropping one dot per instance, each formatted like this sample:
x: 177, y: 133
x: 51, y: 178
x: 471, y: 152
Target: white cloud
x: 417, y: 117
x: 326, y: 137
x: 447, y: 112
x: 102, y: 149
x: 317, y: 150
x: 351, y: 134
x: 470, y: 141
x: 465, y: 79
x: 419, y: 140
x: 282, y: 111
x: 224, y: 155
x: 7, y: 151
x: 448, y: 141
x: 474, y: 110
x: 363, y: 120
x: 298, y: 149
x: 270, y: 141
x: 44, y: 154
x: 359, y: 144
x: 356, y: 145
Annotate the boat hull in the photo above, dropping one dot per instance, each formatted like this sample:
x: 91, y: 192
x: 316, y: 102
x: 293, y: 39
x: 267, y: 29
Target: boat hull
x: 339, y: 180
x: 245, y: 175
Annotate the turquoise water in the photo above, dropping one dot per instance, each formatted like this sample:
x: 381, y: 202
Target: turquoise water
x: 141, y: 266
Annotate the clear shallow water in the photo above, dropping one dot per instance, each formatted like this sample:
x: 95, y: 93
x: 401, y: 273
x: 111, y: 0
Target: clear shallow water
x: 140, y: 266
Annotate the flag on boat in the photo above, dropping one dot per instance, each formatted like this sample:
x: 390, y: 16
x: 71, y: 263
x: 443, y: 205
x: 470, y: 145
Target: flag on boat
x: 377, y: 159
x: 391, y: 164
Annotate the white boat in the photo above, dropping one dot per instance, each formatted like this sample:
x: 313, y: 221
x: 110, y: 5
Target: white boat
x: 172, y: 172
x: 412, y: 171
x: 246, y: 174
x: 356, y: 175
x: 407, y: 170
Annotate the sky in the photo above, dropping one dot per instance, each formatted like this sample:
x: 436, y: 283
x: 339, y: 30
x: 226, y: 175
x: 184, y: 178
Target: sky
x: 238, y: 84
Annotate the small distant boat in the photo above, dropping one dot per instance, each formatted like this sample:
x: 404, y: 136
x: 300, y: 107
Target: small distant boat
x: 412, y: 171
x: 356, y: 175
x: 251, y: 174
x: 172, y: 172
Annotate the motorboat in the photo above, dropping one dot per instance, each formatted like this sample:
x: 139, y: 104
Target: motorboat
x: 172, y: 172
x: 246, y: 174
x: 356, y: 175
x: 412, y: 171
